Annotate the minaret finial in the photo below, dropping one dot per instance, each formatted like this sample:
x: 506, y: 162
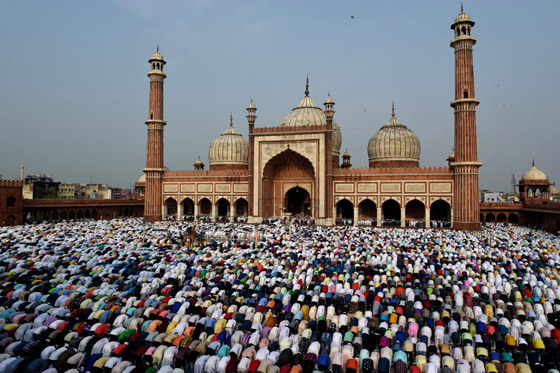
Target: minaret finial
x: 533, y: 162
x: 461, y: 7
x: 231, y: 119
x: 157, y: 48
x: 393, y: 110
x: 307, y: 85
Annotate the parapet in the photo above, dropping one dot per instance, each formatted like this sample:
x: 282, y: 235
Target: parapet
x: 207, y: 173
x: 393, y: 171
x: 288, y: 129
x: 13, y: 183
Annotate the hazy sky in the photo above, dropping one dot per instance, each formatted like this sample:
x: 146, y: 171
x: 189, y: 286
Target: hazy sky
x: 74, y: 92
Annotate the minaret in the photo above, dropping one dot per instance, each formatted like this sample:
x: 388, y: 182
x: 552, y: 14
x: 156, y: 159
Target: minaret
x: 198, y: 165
x: 22, y: 169
x: 465, y: 165
x: 251, y: 118
x: 154, y: 156
x: 331, y: 161
x: 329, y: 113
x: 346, y: 160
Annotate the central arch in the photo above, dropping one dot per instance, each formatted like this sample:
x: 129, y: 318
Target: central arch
x: 297, y: 202
x: 282, y: 174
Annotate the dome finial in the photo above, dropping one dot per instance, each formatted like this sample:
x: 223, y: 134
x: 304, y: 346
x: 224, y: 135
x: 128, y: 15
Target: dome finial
x: 533, y: 162
x: 461, y: 7
x: 157, y: 48
x: 307, y: 85
x: 230, y: 119
x: 393, y: 110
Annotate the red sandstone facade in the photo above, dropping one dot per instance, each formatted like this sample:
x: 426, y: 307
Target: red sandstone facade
x: 11, y: 202
x: 293, y: 169
x: 466, y: 164
x: 154, y: 155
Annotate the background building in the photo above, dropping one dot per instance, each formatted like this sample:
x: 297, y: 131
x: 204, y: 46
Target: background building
x: 40, y: 186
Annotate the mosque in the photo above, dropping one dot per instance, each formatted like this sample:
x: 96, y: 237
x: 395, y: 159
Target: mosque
x: 296, y: 168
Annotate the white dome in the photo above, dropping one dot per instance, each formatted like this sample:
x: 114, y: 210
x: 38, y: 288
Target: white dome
x: 462, y: 17
x: 230, y: 148
x: 394, y: 142
x: 534, y: 174
x: 306, y: 113
x: 157, y: 56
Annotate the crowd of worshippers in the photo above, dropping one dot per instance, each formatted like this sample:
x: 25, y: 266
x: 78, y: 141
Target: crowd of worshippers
x: 124, y: 296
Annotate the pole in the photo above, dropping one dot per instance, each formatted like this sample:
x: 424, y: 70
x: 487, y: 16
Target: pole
x: 143, y: 230
x: 255, y: 230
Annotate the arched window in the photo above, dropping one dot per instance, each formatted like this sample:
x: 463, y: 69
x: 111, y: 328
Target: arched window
x: 465, y: 93
x: 464, y: 30
x: 11, y: 201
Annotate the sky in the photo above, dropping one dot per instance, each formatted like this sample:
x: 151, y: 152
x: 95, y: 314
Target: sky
x: 74, y: 92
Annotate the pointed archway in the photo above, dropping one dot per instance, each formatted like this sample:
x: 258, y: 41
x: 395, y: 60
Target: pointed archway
x: 282, y: 174
x: 188, y: 207
x: 415, y: 214
x: 205, y: 207
x: 241, y: 207
x: 368, y: 209
x: 170, y: 208
x: 297, y: 202
x: 391, y: 211
x: 344, y: 212
x: 223, y: 208
x: 440, y: 214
